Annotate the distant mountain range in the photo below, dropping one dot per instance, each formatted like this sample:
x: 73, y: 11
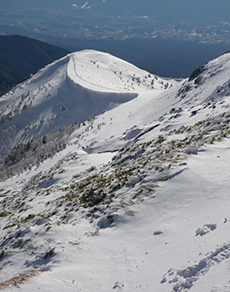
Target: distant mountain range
x: 21, y: 56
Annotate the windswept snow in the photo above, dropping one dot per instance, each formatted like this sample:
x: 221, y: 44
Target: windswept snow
x: 138, y: 198
x: 72, y: 89
x: 104, y: 72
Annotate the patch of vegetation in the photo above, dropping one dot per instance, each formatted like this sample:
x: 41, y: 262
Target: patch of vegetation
x: 20, y: 243
x: 4, y: 214
x: 34, y: 152
x: 50, y: 253
x: 92, y: 197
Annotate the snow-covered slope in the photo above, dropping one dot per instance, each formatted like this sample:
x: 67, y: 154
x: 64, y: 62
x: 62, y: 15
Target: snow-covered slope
x: 72, y: 89
x: 138, y: 197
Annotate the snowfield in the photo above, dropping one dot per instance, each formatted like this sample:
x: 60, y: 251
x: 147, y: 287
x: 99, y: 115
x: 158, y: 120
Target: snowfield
x: 123, y: 186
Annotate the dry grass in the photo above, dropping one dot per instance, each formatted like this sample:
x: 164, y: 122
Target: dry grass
x: 20, y: 279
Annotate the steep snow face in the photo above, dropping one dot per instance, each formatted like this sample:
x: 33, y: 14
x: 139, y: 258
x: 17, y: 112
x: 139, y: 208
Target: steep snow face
x: 105, y: 73
x: 72, y: 89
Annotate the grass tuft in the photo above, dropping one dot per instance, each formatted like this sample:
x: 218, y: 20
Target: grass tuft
x: 20, y: 279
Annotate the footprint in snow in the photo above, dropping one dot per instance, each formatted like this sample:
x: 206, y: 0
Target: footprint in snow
x: 161, y: 230
x: 158, y: 232
x: 205, y: 229
x: 183, y: 279
x: 118, y: 285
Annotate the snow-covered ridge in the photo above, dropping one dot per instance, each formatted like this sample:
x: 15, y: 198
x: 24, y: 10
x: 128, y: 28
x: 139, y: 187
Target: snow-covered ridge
x: 207, y: 80
x: 104, y: 72
x: 135, y: 198
x: 73, y: 89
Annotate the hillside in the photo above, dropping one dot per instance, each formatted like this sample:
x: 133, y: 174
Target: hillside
x: 71, y: 90
x: 132, y: 198
x: 21, y: 56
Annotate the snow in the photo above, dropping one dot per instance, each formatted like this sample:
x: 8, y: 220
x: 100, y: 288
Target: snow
x: 139, y: 198
x: 73, y: 89
x: 137, y: 252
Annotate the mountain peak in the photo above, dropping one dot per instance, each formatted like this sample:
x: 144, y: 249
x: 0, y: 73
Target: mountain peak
x: 72, y: 89
x: 103, y: 72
